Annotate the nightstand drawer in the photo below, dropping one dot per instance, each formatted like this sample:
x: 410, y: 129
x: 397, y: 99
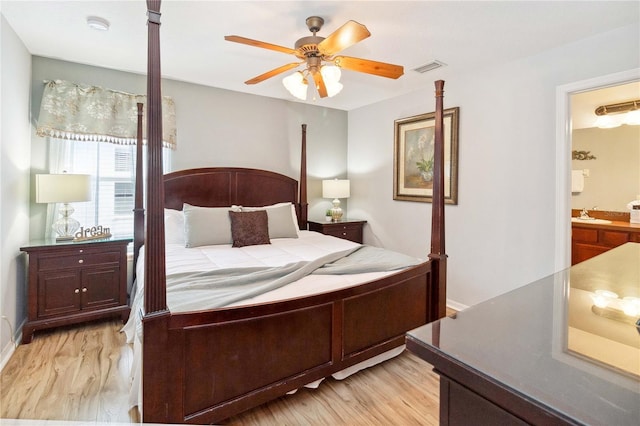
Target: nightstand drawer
x: 353, y: 233
x: 75, y: 259
x: 345, y: 229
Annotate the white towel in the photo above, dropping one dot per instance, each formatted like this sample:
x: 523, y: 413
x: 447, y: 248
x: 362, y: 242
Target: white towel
x: 577, y: 181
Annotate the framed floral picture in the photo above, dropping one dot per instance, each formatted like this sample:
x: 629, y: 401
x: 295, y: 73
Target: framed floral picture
x: 413, y: 157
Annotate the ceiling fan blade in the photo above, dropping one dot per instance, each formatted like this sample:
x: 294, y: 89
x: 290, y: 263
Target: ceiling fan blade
x: 257, y: 43
x: 345, y: 36
x: 322, y: 89
x: 381, y: 69
x: 273, y: 72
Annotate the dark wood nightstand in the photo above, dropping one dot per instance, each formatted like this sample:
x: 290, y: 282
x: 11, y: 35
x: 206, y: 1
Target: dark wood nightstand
x: 348, y: 229
x: 69, y: 283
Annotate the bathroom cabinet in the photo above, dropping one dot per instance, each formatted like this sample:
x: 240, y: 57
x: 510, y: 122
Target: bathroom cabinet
x: 589, y: 240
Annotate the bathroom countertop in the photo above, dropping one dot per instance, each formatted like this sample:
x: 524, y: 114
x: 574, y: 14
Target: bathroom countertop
x: 614, y: 225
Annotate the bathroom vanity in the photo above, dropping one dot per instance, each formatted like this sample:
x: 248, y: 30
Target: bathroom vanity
x: 607, y: 230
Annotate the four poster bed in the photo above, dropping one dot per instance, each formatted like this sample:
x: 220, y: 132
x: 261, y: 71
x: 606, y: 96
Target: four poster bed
x: 203, y: 365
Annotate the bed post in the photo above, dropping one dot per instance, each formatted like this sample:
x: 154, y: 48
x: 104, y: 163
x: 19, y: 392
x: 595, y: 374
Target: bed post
x: 138, y: 209
x: 438, y: 255
x: 155, y: 377
x: 303, y: 180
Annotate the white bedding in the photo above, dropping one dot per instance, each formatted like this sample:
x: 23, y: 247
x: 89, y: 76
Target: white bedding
x: 309, y: 246
x: 282, y: 251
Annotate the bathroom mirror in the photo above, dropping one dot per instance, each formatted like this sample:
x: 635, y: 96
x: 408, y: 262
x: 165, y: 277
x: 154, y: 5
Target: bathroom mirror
x: 608, y: 160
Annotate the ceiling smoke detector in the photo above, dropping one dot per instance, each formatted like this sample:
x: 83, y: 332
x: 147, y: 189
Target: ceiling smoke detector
x: 98, y: 23
x: 429, y: 66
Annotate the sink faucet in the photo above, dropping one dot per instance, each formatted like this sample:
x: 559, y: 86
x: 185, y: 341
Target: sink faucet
x: 584, y: 214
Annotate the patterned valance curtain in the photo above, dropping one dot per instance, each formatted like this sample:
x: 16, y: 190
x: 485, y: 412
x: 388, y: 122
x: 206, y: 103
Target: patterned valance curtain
x: 91, y: 113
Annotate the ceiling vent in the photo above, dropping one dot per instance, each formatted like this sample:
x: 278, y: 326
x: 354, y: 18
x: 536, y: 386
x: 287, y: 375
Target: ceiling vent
x: 429, y: 66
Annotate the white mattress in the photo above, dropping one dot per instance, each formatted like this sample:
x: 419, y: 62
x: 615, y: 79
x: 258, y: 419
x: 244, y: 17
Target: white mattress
x: 308, y: 247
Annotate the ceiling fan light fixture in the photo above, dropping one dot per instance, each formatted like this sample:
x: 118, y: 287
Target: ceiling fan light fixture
x: 331, y: 76
x: 333, y: 89
x: 314, y: 50
x: 296, y: 85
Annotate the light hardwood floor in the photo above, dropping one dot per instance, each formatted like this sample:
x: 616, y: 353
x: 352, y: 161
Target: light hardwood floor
x: 80, y: 373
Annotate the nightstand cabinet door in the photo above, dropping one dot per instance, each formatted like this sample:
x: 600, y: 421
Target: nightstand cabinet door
x: 100, y: 287
x: 58, y: 293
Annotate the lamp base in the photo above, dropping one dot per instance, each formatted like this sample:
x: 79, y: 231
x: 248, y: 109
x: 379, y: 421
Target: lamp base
x: 66, y: 226
x: 336, y: 211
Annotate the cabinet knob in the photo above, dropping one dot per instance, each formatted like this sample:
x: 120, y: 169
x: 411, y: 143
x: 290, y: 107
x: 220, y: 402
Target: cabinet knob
x: 84, y: 289
x: 344, y: 233
x: 80, y: 261
x: 76, y: 291
x: 80, y: 251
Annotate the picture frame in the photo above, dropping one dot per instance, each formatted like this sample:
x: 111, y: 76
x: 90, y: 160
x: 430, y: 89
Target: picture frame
x: 413, y: 157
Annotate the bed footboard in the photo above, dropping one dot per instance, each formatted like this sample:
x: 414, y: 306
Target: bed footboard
x: 222, y: 362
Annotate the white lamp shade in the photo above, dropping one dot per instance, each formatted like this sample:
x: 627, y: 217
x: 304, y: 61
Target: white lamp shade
x: 335, y: 188
x: 331, y: 77
x: 63, y: 188
x: 330, y: 74
x: 296, y: 85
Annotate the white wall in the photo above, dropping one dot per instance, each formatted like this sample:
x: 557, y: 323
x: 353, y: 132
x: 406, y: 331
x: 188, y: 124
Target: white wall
x: 15, y: 64
x: 614, y: 175
x: 501, y: 234
x: 219, y: 128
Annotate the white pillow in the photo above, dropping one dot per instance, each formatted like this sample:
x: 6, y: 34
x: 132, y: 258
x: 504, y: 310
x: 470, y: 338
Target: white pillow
x: 283, y: 221
x: 204, y: 226
x: 173, y: 226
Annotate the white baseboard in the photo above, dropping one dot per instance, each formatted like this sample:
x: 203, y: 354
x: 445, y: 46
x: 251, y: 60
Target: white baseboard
x: 455, y: 305
x: 10, y: 347
x: 7, y: 351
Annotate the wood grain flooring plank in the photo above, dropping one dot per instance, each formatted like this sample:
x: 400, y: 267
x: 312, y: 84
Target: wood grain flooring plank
x: 70, y: 373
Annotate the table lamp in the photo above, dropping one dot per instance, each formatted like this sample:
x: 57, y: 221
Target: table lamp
x: 64, y: 188
x: 335, y: 188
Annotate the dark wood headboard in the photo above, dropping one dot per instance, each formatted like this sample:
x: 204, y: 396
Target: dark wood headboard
x: 218, y: 187
x: 226, y: 186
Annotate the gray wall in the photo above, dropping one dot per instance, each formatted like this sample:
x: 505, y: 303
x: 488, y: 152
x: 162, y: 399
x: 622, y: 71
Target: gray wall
x: 14, y: 183
x: 218, y: 128
x: 501, y: 234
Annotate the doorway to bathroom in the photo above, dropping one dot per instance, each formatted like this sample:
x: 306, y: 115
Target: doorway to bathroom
x: 576, y: 105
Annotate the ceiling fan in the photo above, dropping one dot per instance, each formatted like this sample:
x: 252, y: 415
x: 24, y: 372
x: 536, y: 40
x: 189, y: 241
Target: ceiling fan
x: 315, y: 50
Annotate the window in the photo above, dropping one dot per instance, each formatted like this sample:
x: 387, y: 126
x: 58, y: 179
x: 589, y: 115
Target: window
x: 112, y: 168
x: 122, y: 198
x: 123, y: 159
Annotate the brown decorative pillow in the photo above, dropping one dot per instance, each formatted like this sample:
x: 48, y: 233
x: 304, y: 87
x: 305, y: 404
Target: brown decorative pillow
x: 249, y: 228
